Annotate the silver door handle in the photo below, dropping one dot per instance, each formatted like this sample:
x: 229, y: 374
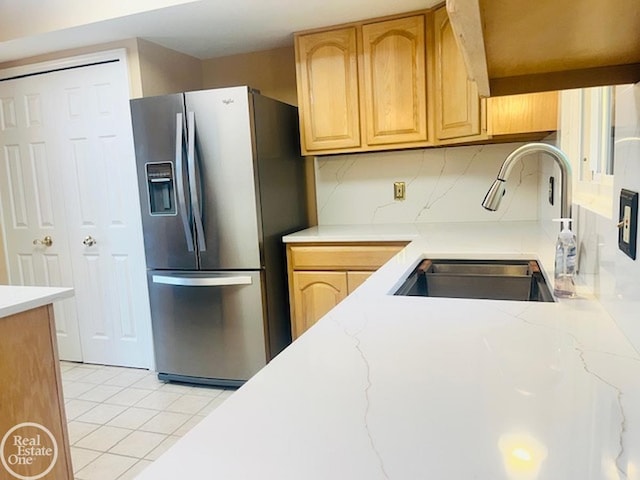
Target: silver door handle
x: 182, y: 199
x: 89, y: 241
x: 216, y: 281
x: 46, y: 241
x: 193, y: 184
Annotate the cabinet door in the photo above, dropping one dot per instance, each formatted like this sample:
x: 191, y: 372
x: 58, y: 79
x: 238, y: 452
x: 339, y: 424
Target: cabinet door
x: 393, y: 81
x: 315, y: 293
x: 519, y: 114
x: 355, y: 279
x: 457, y: 104
x: 327, y: 75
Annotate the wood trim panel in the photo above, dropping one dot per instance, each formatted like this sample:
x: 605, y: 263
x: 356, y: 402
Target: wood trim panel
x: 579, y: 78
x: 515, y: 114
x: 32, y: 386
x: 512, y: 48
x: 341, y: 257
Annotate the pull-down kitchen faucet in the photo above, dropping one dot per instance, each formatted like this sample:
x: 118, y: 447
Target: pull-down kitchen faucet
x: 494, y: 195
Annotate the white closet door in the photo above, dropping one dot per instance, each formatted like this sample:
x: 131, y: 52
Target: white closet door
x: 103, y: 214
x: 91, y: 131
x: 30, y: 193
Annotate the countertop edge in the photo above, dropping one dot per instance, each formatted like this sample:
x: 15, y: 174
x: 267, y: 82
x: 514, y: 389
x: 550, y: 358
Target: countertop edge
x: 18, y: 299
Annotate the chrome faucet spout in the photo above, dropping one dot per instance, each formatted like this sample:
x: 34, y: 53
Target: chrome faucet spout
x: 494, y: 195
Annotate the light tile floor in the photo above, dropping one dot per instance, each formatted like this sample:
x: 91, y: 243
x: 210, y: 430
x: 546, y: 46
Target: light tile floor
x: 121, y: 419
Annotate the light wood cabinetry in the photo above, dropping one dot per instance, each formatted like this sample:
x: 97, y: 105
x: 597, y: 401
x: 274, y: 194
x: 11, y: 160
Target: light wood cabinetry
x: 519, y: 46
x: 523, y: 114
x: 314, y: 294
x: 401, y: 82
x: 457, y: 104
x: 322, y: 275
x: 393, y: 81
x: 327, y: 76
x: 363, y: 87
x: 32, y: 394
x: 462, y: 116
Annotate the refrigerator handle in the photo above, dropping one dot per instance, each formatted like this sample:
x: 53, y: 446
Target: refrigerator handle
x: 182, y: 199
x: 214, y: 281
x: 193, y: 186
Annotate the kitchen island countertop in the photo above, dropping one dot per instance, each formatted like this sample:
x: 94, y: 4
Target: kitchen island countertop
x: 17, y: 299
x: 388, y: 387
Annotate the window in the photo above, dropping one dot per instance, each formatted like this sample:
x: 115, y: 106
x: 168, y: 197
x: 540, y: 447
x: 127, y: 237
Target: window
x: 586, y: 135
x: 597, y: 134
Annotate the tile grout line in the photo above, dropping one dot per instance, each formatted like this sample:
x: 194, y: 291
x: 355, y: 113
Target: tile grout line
x: 185, y: 409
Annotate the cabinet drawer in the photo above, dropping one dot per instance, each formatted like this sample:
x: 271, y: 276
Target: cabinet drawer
x: 342, y: 257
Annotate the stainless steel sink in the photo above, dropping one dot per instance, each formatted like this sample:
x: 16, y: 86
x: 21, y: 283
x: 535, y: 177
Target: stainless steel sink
x: 482, y: 279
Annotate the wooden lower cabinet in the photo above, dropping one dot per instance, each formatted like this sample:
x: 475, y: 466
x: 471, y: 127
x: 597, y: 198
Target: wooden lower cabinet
x: 355, y: 279
x: 315, y: 293
x: 322, y: 275
x: 32, y: 418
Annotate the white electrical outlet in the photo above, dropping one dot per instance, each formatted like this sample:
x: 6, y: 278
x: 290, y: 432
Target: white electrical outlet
x: 626, y: 224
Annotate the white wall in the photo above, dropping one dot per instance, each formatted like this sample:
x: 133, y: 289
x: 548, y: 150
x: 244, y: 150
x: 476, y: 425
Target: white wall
x: 442, y: 185
x: 26, y: 18
x: 615, y: 277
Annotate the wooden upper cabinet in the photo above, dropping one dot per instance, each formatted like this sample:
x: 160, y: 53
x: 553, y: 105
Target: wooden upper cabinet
x: 520, y: 114
x: 393, y: 84
x: 457, y: 104
x: 327, y: 77
x: 401, y: 82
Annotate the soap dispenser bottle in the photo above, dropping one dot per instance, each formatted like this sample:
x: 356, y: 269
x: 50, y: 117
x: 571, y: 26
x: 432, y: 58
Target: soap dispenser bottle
x: 565, y: 264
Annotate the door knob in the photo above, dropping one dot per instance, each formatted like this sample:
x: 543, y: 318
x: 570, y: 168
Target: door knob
x: 46, y: 241
x: 89, y: 241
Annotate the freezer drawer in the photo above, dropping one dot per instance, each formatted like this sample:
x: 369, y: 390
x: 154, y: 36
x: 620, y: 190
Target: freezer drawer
x: 208, y: 326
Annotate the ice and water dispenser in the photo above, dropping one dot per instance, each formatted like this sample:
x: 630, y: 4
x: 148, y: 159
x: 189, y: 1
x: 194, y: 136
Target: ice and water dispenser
x: 161, y: 188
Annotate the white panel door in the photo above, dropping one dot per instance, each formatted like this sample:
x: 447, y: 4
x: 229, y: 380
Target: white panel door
x: 89, y: 126
x: 103, y: 215
x: 32, y: 209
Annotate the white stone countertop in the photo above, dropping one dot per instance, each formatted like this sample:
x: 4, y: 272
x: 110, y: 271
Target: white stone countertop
x: 389, y: 387
x: 16, y: 299
x: 356, y: 233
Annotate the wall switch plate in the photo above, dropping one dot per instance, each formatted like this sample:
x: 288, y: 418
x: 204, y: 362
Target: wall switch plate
x: 399, y: 190
x: 628, y: 223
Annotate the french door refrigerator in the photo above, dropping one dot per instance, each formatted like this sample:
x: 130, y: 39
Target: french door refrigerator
x: 221, y: 180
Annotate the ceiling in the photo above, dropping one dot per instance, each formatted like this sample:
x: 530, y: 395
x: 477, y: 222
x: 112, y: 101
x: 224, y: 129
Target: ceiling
x: 213, y: 28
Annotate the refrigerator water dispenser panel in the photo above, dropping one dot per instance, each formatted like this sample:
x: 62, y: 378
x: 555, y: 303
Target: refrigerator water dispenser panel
x: 160, y: 185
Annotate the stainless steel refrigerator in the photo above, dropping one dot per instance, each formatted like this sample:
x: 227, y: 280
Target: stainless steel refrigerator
x: 221, y: 180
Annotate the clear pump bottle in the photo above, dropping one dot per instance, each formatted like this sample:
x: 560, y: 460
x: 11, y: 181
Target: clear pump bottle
x: 565, y: 264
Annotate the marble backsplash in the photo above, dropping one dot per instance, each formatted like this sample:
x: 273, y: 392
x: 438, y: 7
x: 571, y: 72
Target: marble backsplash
x: 448, y: 184
x: 614, y: 277
x: 442, y: 185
